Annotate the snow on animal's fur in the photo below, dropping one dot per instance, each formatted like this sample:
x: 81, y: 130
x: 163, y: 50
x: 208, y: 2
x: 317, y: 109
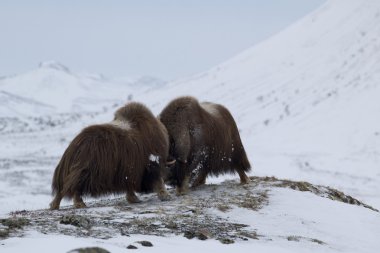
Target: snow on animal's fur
x: 204, y: 139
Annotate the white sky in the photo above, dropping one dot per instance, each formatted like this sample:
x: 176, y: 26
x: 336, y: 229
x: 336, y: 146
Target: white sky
x: 162, y: 38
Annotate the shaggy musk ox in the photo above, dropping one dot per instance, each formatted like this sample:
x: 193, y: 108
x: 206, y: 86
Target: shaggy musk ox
x: 126, y: 155
x: 204, y: 140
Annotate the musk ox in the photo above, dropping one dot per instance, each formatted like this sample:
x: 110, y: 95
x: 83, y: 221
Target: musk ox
x: 126, y: 155
x: 204, y: 140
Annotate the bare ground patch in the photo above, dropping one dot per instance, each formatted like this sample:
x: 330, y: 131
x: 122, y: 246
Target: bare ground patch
x: 192, y: 215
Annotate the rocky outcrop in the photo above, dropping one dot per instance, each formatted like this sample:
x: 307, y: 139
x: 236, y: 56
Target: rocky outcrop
x: 192, y: 216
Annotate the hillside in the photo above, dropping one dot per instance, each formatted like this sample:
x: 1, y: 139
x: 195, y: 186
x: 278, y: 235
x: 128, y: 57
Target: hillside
x: 307, y: 98
x: 54, y: 88
x: 306, y: 104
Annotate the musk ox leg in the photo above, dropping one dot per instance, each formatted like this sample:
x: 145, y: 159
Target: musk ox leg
x: 244, y: 179
x: 182, y: 176
x: 78, y: 201
x: 161, y: 191
x: 131, y: 195
x: 200, y: 179
x: 132, y: 198
x: 54, y: 205
x: 184, y: 187
x: 201, y: 170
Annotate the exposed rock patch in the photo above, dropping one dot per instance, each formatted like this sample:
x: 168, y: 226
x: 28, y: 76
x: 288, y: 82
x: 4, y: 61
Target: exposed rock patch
x: 194, y: 216
x: 145, y: 243
x: 89, y: 250
x: 76, y: 220
x: 322, y: 191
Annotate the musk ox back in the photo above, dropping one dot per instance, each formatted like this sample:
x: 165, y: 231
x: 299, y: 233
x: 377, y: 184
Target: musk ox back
x: 114, y: 158
x: 204, y: 140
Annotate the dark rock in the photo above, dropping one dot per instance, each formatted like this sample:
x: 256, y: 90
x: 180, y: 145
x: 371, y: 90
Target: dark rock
x: 124, y: 233
x: 202, y: 236
x: 317, y: 241
x: 20, y: 212
x: 171, y: 225
x: 293, y: 238
x: 130, y: 246
x: 13, y: 223
x: 89, y: 250
x: 223, y: 207
x: 4, y: 233
x: 226, y: 241
x: 249, y: 234
x: 76, y: 220
x: 145, y: 243
x: 189, y: 234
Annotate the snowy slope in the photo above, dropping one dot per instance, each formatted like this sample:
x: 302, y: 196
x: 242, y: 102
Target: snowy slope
x: 306, y: 102
x: 267, y: 215
x: 308, y: 97
x: 53, y: 85
x: 53, y: 88
x: 11, y: 104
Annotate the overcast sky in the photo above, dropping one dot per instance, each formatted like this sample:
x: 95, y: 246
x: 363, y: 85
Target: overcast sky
x: 162, y: 38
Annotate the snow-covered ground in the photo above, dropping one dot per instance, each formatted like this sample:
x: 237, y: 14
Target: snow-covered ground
x: 306, y: 102
x: 268, y: 214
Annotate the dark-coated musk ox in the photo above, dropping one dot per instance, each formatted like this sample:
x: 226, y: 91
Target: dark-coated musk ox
x: 204, y: 140
x: 126, y: 155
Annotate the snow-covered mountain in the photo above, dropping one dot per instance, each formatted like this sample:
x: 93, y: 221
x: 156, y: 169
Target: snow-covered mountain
x: 306, y: 102
x: 318, y: 77
x: 308, y: 96
x: 53, y: 88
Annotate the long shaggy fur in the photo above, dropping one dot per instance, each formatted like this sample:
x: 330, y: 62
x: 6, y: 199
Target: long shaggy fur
x: 114, y: 157
x: 203, y: 138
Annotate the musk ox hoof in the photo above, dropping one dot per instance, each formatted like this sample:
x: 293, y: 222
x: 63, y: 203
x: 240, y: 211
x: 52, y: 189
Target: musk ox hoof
x: 54, y: 206
x: 195, y: 185
x: 133, y: 200
x: 245, y: 181
x: 164, y: 197
x: 181, y: 192
x: 80, y: 205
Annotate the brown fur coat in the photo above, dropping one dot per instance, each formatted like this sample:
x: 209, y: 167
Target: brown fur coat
x: 204, y: 139
x: 125, y: 155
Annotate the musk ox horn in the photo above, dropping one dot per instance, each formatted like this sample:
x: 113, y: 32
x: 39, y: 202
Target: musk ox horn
x: 171, y: 162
